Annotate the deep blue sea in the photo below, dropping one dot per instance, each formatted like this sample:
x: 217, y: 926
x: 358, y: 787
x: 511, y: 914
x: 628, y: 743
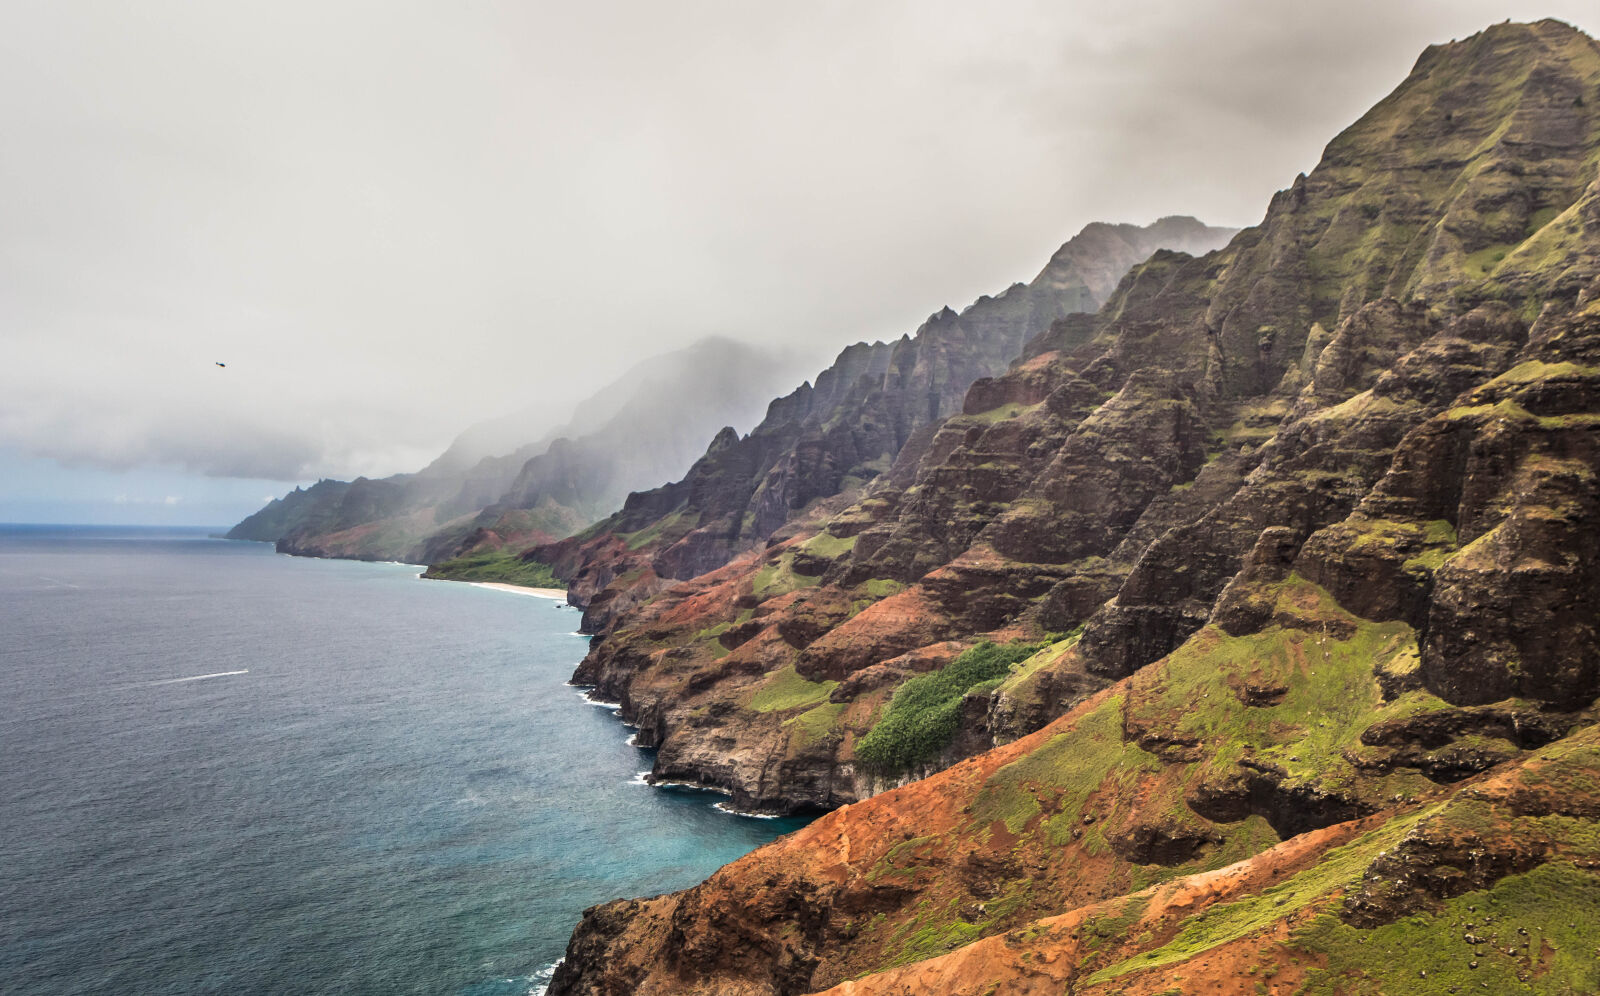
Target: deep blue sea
x: 227, y: 771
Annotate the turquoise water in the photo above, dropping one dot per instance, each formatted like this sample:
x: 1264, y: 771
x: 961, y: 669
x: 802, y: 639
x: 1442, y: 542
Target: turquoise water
x: 395, y: 793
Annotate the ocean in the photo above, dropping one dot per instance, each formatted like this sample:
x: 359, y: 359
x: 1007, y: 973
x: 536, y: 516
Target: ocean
x: 227, y: 771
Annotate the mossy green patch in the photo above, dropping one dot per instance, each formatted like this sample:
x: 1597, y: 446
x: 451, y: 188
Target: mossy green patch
x: 1544, y: 937
x: 1570, y: 767
x: 785, y: 689
x: 945, y: 934
x: 712, y: 632
x: 1425, y: 546
x: 778, y: 577
x: 1367, y: 404
x: 669, y: 526
x: 1330, y: 692
x: 708, y: 637
x: 1062, y: 773
x: 1506, y: 409
x: 1217, y: 925
x: 1245, y: 839
x: 829, y: 546
x: 1534, y: 371
x: 937, y: 930
x: 1024, y: 671
x: 817, y: 724
x: 923, y: 715
x: 1480, y: 264
x: 1108, y: 929
x: 880, y: 587
x: 1000, y: 413
x: 900, y: 860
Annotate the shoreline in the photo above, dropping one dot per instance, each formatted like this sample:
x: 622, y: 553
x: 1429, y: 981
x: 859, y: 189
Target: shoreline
x: 559, y: 594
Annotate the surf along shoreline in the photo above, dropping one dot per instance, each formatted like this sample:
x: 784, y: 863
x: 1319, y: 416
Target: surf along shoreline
x: 559, y: 594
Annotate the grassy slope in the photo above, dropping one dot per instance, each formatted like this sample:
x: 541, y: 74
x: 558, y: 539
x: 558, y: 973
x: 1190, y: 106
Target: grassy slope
x: 497, y: 566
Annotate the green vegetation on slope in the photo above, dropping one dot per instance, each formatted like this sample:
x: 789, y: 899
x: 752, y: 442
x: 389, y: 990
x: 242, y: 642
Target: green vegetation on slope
x: 828, y: 546
x: 779, y: 578
x: 1067, y: 769
x: 1024, y: 672
x: 1226, y: 922
x: 1319, y: 686
x: 496, y: 565
x: 938, y: 929
x: 818, y: 723
x: 668, y: 528
x: 923, y: 715
x: 1542, y: 925
x: 785, y: 689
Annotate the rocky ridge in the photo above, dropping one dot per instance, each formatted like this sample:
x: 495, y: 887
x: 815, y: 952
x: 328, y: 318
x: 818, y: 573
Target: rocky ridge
x: 831, y: 438
x: 1261, y: 604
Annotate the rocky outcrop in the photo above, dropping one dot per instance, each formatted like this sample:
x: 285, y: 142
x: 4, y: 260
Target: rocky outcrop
x: 1293, y: 544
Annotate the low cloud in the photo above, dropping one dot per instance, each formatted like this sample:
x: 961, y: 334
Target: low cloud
x: 393, y: 220
x: 169, y: 500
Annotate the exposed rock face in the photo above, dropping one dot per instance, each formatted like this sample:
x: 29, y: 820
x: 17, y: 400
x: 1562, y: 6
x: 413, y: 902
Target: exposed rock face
x: 1301, y: 534
x: 863, y: 412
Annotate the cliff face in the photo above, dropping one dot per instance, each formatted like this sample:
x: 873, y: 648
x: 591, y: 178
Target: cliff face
x: 1262, y: 604
x: 832, y: 438
x: 646, y: 427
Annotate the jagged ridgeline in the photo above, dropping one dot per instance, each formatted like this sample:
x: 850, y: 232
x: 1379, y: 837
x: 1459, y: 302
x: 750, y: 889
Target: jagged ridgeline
x: 508, y: 485
x: 1241, y: 637
x: 833, y: 437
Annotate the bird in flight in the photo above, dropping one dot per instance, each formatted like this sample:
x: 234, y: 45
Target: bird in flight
x: 221, y: 364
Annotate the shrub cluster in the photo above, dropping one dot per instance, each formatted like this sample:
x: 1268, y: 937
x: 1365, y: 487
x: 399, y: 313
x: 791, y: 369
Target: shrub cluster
x: 923, y: 715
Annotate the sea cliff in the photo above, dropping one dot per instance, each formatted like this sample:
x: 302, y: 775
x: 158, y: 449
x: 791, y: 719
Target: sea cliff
x: 1238, y: 637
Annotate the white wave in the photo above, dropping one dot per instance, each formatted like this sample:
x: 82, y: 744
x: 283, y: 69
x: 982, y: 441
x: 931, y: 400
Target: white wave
x: 724, y: 807
x: 200, y: 677
x: 642, y: 778
x: 541, y: 979
x: 539, y: 982
x: 596, y: 702
x: 689, y: 787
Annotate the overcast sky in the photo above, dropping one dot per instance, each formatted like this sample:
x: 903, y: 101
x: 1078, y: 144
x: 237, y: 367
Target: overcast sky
x: 393, y: 219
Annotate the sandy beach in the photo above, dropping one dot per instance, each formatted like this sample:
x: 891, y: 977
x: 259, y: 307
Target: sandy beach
x: 559, y: 594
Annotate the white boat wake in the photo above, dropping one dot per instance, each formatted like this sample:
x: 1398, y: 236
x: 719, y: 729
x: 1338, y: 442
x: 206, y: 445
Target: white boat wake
x: 199, y: 677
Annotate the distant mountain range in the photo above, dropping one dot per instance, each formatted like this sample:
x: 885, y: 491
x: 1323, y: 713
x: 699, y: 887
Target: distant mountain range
x: 506, y: 486
x: 543, y: 480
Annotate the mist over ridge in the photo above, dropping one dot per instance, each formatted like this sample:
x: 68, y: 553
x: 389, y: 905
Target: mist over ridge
x: 390, y: 227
